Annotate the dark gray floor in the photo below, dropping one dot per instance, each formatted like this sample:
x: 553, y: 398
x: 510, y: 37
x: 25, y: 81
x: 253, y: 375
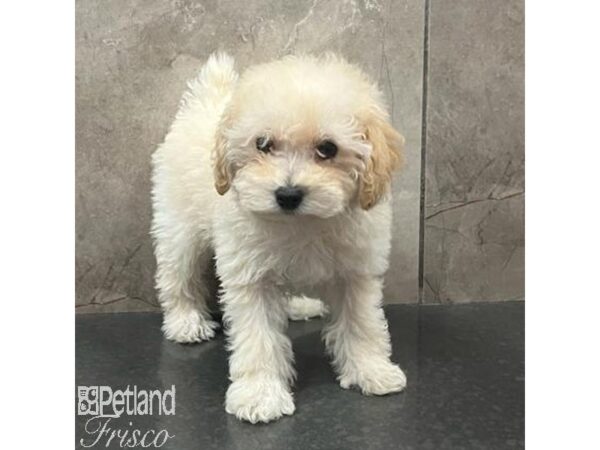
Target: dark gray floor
x: 465, y: 368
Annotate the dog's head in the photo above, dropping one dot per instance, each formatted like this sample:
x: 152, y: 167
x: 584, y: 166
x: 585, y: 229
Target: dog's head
x: 307, y: 136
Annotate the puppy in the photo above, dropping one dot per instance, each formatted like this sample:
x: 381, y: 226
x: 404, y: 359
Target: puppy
x: 284, y: 173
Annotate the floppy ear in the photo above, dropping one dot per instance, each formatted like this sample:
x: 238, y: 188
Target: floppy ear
x: 386, y: 156
x: 221, y: 166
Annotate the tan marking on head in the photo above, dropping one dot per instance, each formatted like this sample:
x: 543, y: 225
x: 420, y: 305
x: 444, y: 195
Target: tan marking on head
x: 386, y: 156
x: 222, y: 170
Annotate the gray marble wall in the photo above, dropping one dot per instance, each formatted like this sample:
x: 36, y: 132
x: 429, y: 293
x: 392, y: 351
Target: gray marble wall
x: 132, y: 61
x: 474, y: 190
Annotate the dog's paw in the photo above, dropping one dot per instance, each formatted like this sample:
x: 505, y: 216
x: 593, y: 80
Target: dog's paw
x: 304, y: 308
x: 375, y: 379
x: 259, y: 400
x: 188, y: 327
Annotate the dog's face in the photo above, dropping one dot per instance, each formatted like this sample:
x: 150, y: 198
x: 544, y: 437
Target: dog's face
x: 305, y: 136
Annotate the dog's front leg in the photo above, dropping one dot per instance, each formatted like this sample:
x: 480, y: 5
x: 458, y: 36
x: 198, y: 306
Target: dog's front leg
x: 358, y: 340
x: 260, y: 365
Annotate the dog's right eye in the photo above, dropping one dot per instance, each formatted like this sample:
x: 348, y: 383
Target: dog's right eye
x: 264, y: 144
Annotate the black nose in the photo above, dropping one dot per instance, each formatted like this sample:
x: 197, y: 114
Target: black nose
x: 289, y: 198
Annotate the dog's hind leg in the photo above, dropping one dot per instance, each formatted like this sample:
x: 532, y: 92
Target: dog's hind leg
x: 182, y: 259
x: 303, y: 308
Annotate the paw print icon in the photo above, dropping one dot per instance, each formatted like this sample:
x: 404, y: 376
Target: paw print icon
x: 87, y: 400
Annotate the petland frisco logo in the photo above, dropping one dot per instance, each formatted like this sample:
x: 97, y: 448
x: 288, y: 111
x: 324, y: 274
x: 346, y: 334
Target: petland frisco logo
x: 103, y: 405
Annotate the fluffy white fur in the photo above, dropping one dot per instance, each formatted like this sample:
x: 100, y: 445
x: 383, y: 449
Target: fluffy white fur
x: 213, y: 190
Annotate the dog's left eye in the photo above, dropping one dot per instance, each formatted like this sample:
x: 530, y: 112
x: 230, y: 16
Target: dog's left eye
x: 264, y: 144
x: 327, y: 149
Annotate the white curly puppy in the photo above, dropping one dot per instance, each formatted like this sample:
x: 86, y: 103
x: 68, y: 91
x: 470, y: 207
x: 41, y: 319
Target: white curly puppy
x: 285, y: 174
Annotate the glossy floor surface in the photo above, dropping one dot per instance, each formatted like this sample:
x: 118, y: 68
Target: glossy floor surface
x: 465, y: 368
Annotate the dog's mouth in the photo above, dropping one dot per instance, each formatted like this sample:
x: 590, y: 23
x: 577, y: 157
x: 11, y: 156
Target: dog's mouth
x: 295, y: 216
x: 278, y: 215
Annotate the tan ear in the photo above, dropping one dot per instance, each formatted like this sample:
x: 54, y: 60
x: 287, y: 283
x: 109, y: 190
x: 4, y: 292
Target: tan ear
x: 386, y: 156
x: 221, y: 167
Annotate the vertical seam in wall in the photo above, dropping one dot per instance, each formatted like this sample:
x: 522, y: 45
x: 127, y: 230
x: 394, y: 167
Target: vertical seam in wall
x: 423, y: 151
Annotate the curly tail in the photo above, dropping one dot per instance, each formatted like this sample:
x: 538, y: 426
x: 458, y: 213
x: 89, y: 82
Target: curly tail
x: 214, y: 83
